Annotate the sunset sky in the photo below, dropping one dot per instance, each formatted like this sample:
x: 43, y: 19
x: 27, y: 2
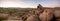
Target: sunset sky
x: 29, y: 3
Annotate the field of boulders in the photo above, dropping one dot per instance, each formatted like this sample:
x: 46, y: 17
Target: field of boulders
x: 13, y: 13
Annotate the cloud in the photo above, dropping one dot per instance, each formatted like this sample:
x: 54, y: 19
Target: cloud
x: 29, y: 3
x: 15, y: 3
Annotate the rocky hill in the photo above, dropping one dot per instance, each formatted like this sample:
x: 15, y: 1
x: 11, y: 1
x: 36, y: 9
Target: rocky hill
x: 28, y: 14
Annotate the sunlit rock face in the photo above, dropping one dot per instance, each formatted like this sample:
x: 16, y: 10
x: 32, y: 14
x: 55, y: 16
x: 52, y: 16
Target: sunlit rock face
x: 46, y: 15
x: 33, y: 18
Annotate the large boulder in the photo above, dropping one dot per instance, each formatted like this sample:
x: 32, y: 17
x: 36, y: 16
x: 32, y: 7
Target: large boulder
x: 46, y: 15
x: 32, y: 18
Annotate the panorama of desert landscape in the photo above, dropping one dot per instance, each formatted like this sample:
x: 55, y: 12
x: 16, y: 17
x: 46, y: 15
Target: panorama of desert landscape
x: 29, y: 10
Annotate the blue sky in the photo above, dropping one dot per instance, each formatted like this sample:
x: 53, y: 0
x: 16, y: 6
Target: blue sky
x: 29, y: 3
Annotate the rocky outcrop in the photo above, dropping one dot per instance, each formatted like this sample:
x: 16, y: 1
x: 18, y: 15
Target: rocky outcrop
x: 35, y: 14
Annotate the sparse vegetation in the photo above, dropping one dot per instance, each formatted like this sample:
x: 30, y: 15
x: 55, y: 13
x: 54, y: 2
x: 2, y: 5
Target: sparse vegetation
x: 12, y: 12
